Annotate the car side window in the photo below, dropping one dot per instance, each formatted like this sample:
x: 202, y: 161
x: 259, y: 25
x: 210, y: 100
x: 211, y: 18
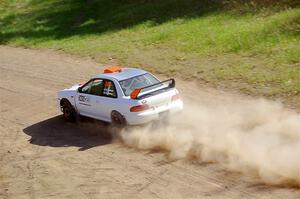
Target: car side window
x: 109, y: 89
x: 86, y: 88
x: 94, y: 87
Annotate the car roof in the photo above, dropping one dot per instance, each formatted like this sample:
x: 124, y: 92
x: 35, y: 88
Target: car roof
x: 126, y: 73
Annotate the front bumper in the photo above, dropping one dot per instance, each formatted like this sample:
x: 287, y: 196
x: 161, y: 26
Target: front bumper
x: 154, y: 113
x: 58, y: 104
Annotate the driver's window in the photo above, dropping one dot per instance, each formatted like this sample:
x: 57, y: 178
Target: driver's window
x: 86, y: 88
x: 94, y: 87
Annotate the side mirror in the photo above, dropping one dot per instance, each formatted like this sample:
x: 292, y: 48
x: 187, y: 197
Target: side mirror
x: 172, y: 83
x: 80, y: 86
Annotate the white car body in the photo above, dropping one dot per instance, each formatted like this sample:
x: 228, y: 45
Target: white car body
x: 166, y: 100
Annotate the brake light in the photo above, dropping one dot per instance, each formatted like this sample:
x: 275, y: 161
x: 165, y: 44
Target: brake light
x: 139, y: 108
x: 175, y: 97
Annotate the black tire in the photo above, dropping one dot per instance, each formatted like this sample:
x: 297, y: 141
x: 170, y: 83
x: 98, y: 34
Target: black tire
x: 118, y: 119
x: 69, y: 113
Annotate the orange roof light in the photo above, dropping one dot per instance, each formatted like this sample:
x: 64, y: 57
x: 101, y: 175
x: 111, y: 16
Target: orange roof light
x: 113, y: 69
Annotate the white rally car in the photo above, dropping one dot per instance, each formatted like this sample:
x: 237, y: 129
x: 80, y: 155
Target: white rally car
x: 121, y: 96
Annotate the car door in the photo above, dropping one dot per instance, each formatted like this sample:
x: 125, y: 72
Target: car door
x: 86, y: 98
x: 107, y: 102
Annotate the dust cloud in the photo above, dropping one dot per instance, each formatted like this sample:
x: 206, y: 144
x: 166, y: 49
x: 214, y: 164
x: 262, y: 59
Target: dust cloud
x: 254, y: 136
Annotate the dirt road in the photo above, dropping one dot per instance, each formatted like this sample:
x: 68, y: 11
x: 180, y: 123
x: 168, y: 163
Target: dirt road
x: 43, y: 157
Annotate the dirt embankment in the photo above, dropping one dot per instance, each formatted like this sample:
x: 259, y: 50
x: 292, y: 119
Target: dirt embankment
x: 217, y: 135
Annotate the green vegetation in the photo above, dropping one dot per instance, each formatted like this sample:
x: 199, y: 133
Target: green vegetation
x: 252, y: 46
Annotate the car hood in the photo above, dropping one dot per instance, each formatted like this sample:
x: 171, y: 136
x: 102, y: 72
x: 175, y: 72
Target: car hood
x: 72, y: 88
x: 69, y: 91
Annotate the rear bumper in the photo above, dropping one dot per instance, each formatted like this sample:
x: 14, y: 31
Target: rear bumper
x: 154, y: 113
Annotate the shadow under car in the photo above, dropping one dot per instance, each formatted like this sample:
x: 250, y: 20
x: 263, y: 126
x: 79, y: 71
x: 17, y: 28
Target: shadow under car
x: 55, y: 132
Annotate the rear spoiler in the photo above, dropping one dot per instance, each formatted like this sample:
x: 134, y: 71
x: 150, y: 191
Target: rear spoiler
x: 135, y: 93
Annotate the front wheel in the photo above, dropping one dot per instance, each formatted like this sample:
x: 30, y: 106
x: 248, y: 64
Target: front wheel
x: 69, y: 113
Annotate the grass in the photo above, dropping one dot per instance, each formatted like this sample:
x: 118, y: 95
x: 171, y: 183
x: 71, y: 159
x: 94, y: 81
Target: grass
x: 253, y: 47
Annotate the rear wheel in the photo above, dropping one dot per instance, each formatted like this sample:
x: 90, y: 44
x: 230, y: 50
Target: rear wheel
x: 117, y: 119
x: 69, y: 113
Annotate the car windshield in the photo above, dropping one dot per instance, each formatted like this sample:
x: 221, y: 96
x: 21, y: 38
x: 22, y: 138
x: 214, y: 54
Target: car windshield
x: 128, y: 85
